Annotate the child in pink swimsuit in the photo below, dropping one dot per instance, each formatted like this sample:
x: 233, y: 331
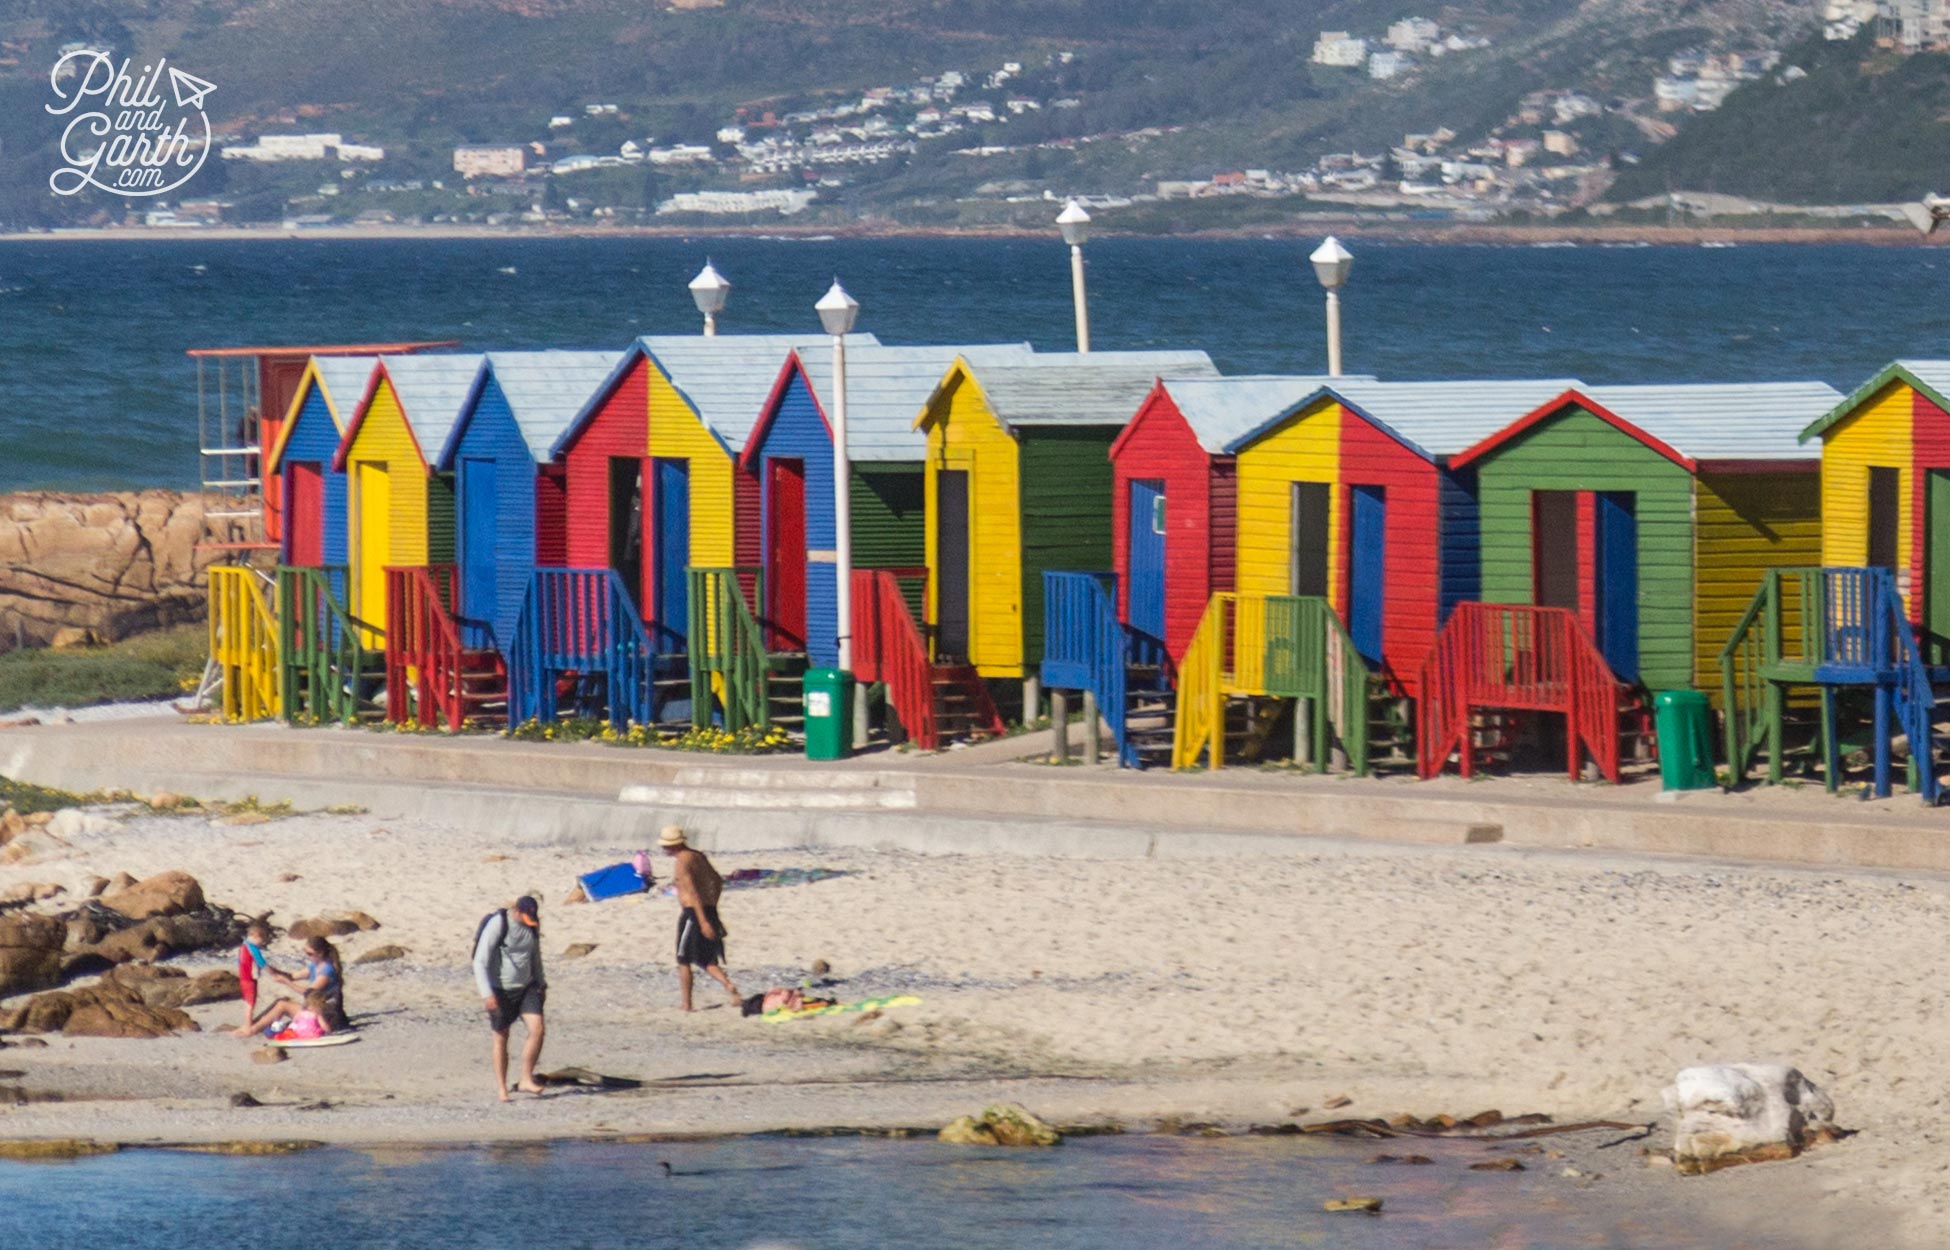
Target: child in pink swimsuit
x: 307, y: 1025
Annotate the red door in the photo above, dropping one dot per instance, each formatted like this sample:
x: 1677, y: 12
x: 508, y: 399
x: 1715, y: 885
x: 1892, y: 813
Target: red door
x: 304, y: 515
x: 785, y: 553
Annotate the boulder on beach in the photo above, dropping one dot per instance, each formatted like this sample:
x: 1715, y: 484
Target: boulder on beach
x: 1002, y: 1124
x: 165, y: 894
x: 1729, y: 1114
x: 322, y: 926
x: 30, y: 953
x: 118, y: 1007
x: 381, y: 955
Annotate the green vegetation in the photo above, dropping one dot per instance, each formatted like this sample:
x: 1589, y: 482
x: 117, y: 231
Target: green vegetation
x: 152, y: 666
x: 27, y: 798
x: 1864, y: 126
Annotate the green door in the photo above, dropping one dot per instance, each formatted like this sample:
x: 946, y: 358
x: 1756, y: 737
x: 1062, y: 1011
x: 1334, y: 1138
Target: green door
x: 1936, y: 569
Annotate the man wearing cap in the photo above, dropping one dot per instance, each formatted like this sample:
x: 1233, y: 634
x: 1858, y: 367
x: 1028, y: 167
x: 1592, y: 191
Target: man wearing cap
x: 508, y: 973
x: 700, y: 934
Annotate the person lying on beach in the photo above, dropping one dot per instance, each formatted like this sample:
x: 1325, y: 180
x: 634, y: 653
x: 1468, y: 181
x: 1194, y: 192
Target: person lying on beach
x: 307, y: 1024
x: 700, y: 934
x: 322, y: 974
x: 783, y: 998
x: 253, y: 964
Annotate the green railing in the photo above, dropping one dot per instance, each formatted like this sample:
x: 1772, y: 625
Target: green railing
x: 727, y: 647
x: 326, y: 674
x: 1779, y: 639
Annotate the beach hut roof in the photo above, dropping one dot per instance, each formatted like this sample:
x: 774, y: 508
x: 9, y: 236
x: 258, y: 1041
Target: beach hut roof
x: 1737, y: 421
x: 342, y: 382
x: 886, y: 385
x: 1072, y: 388
x: 544, y: 389
x: 1223, y: 411
x: 724, y: 378
x: 431, y: 390
x: 1694, y: 422
x: 1932, y: 377
x: 1436, y: 420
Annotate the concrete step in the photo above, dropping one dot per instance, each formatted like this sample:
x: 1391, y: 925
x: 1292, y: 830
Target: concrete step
x: 762, y: 778
x: 770, y: 798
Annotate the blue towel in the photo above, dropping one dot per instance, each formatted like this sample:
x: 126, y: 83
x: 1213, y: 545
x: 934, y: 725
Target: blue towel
x: 612, y: 882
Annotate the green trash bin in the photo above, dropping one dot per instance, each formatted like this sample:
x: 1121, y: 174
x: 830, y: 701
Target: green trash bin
x: 829, y: 724
x: 1684, y: 721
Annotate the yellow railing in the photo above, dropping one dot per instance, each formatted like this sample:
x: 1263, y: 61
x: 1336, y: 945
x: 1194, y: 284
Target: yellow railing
x: 244, y: 644
x: 1201, y: 690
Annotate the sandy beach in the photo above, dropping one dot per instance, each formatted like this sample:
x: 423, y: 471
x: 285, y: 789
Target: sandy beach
x: 1241, y: 991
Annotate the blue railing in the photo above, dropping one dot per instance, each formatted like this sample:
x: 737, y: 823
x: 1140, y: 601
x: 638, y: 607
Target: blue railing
x: 1866, y: 638
x: 1085, y: 647
x: 581, y: 622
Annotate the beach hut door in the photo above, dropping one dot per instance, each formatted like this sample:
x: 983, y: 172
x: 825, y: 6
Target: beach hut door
x: 304, y: 515
x: 1936, y: 575
x: 1307, y: 556
x: 1146, y: 610
x: 375, y: 547
x: 1367, y: 547
x: 1885, y: 489
x: 672, y: 496
x: 951, y: 563
x: 1617, y: 577
x: 478, y: 541
x: 785, y: 553
x: 626, y: 523
x: 1554, y: 549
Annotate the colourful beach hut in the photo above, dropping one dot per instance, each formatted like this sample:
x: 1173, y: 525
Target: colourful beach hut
x: 302, y: 459
x: 654, y: 496
x: 1019, y: 485
x: 510, y: 500
x: 1646, y: 516
x: 1885, y: 489
x: 401, y: 512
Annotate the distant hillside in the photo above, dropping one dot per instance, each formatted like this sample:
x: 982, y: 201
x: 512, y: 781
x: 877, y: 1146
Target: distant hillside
x: 1224, y: 84
x: 1863, y: 127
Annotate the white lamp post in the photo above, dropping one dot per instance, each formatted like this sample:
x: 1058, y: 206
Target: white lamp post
x: 710, y: 290
x: 1331, y: 263
x: 1075, y: 225
x: 837, y: 313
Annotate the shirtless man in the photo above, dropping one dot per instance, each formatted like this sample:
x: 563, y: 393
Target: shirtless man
x: 700, y: 934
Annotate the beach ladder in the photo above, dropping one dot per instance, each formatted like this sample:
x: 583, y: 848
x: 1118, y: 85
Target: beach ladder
x: 1128, y: 673
x: 328, y: 673
x: 580, y: 642
x: 432, y: 677
x: 730, y: 665
x: 933, y: 702
x: 243, y: 643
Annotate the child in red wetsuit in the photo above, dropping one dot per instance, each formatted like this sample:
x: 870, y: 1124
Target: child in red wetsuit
x: 252, y: 964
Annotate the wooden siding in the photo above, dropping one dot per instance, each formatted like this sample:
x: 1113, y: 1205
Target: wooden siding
x: 552, y: 517
x: 1747, y: 523
x: 797, y: 432
x: 1576, y: 451
x: 1411, y: 539
x: 1878, y: 434
x: 676, y: 433
x: 1066, y: 509
x: 1224, y: 526
x: 314, y: 439
x: 440, y: 519
x: 620, y: 427
x: 491, y: 434
x: 1304, y: 448
x: 1930, y: 441
x: 1158, y: 445
x: 383, y: 438
x: 890, y: 504
x: 1462, y: 532
x: 964, y: 436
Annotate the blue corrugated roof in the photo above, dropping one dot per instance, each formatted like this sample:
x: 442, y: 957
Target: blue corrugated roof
x: 1224, y: 410
x: 343, y: 379
x: 1439, y: 419
x: 727, y: 378
x: 545, y: 390
x: 1736, y: 421
x: 886, y: 386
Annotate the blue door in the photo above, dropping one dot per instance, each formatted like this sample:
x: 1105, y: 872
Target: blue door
x: 1147, y: 605
x: 1618, y: 583
x: 477, y: 606
x: 673, y: 553
x: 1366, y: 579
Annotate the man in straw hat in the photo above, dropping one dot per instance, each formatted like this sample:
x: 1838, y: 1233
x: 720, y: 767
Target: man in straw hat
x: 700, y: 934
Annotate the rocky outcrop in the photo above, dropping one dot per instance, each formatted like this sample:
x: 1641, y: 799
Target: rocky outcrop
x: 30, y: 953
x: 101, y: 567
x: 1729, y: 1114
x: 165, y: 894
x: 1002, y: 1124
x: 129, y: 1002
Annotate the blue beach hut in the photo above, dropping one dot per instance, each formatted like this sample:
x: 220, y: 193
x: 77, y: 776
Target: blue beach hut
x: 323, y: 407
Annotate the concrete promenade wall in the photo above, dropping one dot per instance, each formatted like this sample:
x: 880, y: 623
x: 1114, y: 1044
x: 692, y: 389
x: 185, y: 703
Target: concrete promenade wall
x: 939, y: 804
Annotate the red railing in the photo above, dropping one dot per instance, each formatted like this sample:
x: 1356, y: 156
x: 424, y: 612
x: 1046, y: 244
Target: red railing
x: 1518, y: 658
x: 888, y: 647
x: 423, y: 651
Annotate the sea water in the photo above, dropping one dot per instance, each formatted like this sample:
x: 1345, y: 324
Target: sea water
x: 1131, y: 1193
x: 95, y: 391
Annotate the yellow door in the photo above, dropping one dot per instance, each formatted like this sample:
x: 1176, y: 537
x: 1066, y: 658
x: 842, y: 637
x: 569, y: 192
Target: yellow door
x: 373, y: 545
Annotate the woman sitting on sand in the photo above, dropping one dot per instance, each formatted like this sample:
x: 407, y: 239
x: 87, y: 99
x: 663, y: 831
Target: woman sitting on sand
x: 323, y: 976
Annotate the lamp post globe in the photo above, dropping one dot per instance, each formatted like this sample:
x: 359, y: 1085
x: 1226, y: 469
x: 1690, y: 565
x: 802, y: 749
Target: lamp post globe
x: 1074, y: 223
x: 709, y: 291
x: 837, y: 310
